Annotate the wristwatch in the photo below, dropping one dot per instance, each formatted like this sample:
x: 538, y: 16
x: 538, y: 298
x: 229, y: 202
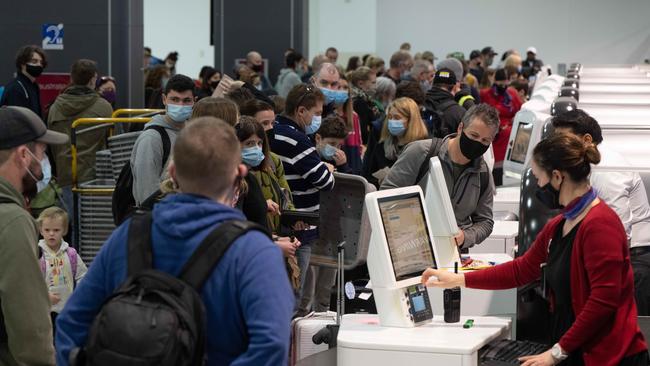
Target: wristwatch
x: 558, y: 353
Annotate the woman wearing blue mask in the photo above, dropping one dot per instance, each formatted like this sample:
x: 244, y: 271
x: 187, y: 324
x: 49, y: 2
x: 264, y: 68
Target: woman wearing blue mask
x: 402, y: 126
x: 267, y: 170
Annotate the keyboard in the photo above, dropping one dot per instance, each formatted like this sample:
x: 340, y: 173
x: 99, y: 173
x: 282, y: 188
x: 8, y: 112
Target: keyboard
x: 505, y: 352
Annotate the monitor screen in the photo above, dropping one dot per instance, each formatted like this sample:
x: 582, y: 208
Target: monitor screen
x: 521, y: 142
x: 406, y: 231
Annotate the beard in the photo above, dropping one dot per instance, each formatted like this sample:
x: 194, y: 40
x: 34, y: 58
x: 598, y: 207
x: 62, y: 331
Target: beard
x: 30, y: 189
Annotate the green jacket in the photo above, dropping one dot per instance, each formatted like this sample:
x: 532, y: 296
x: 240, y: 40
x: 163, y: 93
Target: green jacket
x: 269, y: 181
x: 23, y: 293
x: 74, y: 103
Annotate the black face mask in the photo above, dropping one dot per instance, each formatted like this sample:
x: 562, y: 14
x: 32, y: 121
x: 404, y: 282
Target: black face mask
x: 501, y: 89
x: 214, y: 84
x: 270, y: 134
x: 471, y: 149
x: 258, y: 68
x: 34, y: 70
x: 549, y: 196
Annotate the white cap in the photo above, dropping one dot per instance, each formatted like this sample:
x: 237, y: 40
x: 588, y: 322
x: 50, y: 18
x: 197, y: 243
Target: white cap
x: 532, y: 49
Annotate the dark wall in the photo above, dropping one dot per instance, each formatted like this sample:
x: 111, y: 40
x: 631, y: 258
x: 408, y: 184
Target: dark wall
x: 269, y: 27
x: 86, y: 35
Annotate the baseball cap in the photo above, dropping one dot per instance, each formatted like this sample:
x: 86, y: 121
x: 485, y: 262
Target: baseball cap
x: 453, y: 65
x: 20, y: 125
x: 488, y: 50
x: 444, y: 76
x: 532, y: 49
x: 474, y: 54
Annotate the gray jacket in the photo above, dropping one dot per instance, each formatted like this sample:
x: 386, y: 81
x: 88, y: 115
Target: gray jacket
x: 472, y: 209
x: 287, y: 79
x: 147, y: 163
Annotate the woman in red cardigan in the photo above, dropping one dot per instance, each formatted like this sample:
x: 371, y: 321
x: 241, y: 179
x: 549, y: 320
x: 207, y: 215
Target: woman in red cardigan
x: 583, y: 257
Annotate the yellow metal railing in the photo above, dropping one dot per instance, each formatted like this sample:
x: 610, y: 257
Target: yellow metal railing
x: 110, y: 122
x: 132, y: 112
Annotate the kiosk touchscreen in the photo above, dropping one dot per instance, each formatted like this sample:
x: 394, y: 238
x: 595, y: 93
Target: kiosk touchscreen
x: 441, y: 213
x: 526, y: 132
x: 401, y: 248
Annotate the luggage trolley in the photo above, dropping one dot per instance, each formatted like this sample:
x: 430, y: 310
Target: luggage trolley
x: 92, y: 200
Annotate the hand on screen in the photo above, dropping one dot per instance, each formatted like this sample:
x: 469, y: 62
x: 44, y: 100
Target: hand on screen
x: 460, y: 238
x: 442, y: 278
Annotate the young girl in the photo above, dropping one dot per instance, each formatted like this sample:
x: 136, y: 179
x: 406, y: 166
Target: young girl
x: 60, y: 263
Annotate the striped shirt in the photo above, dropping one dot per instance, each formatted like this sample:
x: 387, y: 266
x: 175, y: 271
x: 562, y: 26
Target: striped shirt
x: 303, y: 169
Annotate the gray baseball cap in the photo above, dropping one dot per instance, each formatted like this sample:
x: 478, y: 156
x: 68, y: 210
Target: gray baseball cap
x: 20, y: 125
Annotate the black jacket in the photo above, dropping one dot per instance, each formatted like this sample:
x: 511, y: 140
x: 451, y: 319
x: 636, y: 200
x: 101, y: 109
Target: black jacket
x: 451, y: 114
x: 22, y: 92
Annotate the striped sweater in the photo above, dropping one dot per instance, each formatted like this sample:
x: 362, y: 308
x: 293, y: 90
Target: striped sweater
x: 303, y: 169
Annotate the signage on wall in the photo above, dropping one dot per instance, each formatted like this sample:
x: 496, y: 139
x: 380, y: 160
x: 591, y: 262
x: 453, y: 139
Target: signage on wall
x: 53, y: 36
x: 50, y: 86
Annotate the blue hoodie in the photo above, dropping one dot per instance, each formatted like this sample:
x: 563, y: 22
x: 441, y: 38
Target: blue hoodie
x: 248, y: 299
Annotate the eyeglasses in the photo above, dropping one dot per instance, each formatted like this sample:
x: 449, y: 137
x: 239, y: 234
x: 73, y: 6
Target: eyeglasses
x: 309, y: 90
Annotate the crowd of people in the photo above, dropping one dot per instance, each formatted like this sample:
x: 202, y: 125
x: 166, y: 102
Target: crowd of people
x: 244, y: 148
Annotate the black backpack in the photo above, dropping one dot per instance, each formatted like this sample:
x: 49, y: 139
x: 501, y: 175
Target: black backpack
x: 436, y: 143
x: 436, y: 115
x: 154, y: 318
x: 123, y: 202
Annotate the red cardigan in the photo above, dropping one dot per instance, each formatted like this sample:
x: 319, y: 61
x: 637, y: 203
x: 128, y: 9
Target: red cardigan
x: 500, y: 143
x: 602, y: 286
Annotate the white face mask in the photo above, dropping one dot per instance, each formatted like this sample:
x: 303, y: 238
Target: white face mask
x: 46, y: 169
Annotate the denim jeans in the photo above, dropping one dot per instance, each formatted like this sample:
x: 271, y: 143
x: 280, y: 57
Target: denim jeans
x: 68, y: 202
x: 303, y: 254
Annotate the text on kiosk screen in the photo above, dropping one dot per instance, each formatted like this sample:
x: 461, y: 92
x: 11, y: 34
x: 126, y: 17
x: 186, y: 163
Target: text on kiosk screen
x: 407, y: 236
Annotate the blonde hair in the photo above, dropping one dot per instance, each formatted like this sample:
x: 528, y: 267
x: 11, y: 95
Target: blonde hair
x: 511, y: 64
x: 416, y: 129
x: 52, y: 213
x: 362, y: 73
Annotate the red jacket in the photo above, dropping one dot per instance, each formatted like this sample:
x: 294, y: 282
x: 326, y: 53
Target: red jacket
x: 602, y: 286
x: 506, y: 114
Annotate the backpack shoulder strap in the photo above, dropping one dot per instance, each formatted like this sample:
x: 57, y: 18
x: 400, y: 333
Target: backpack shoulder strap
x: 72, y: 257
x: 140, y: 256
x: 164, y: 136
x: 208, y: 254
x: 436, y: 143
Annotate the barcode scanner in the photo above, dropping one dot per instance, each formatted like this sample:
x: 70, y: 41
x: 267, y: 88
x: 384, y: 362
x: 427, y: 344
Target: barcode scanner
x: 451, y: 298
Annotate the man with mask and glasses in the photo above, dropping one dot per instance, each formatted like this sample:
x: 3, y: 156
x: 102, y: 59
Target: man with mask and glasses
x: 147, y: 159
x: 23, y: 91
x: 25, y: 325
x: 468, y: 178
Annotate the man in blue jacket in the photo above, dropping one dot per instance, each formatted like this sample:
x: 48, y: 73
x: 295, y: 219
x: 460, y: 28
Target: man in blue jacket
x: 248, y: 299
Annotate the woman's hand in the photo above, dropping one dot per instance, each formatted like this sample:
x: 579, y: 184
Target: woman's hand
x: 272, y: 207
x: 542, y: 359
x: 300, y: 226
x: 288, y: 245
x: 442, y: 278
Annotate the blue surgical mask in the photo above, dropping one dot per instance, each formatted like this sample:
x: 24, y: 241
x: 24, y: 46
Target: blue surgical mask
x: 179, y: 113
x: 314, y: 126
x: 341, y: 97
x: 252, y: 156
x: 396, y: 127
x: 327, y: 152
x: 335, y: 96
